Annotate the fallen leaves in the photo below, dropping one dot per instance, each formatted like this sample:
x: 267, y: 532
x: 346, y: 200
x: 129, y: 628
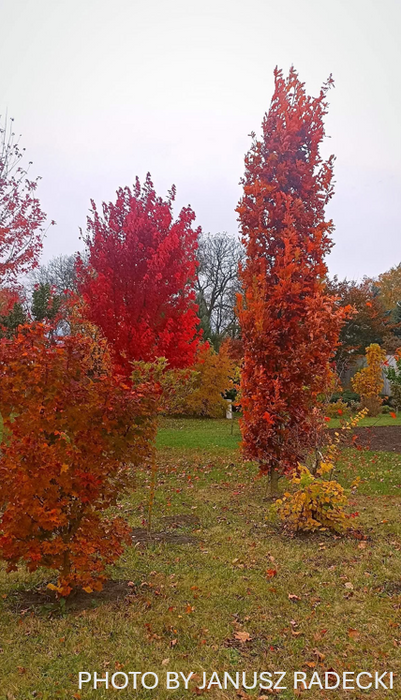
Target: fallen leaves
x: 242, y: 637
x: 353, y: 634
x: 271, y: 573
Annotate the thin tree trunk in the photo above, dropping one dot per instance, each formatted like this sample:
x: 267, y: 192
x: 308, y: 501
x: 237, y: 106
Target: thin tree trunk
x: 273, y: 479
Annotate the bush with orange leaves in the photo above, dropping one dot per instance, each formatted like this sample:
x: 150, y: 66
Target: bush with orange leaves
x: 212, y: 378
x: 72, y: 434
x: 368, y: 382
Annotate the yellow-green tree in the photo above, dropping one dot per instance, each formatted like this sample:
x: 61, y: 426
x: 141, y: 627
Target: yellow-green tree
x: 213, y: 378
x: 368, y: 382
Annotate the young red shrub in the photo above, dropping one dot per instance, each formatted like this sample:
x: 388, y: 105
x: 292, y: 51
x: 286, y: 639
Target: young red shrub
x: 139, y: 284
x: 289, y: 324
x: 72, y: 433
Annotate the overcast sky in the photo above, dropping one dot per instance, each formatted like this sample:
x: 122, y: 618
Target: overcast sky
x: 104, y: 90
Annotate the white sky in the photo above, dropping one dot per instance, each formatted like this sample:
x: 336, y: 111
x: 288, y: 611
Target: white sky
x: 102, y: 91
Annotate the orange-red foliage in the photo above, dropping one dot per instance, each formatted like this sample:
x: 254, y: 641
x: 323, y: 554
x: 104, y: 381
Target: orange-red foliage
x: 72, y: 432
x: 289, y: 325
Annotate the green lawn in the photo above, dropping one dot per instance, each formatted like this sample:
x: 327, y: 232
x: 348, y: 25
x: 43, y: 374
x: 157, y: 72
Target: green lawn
x: 190, y: 433
x: 243, y: 596
x: 382, y: 419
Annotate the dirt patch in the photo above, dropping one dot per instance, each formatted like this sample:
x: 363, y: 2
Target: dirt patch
x: 43, y: 600
x: 385, y: 438
x: 178, y: 521
x: 144, y: 538
x: 381, y: 438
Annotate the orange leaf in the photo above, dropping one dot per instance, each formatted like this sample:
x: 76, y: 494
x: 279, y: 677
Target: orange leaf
x: 243, y: 637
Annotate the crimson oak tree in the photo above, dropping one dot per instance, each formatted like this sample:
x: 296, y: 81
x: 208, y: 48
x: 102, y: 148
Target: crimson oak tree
x: 139, y: 281
x: 290, y: 326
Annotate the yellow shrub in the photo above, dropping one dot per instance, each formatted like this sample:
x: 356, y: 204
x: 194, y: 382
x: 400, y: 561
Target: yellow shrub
x: 339, y: 409
x: 316, y: 505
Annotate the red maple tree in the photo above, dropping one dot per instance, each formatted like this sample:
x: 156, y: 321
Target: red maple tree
x: 73, y: 434
x: 289, y: 324
x: 21, y: 217
x: 139, y: 283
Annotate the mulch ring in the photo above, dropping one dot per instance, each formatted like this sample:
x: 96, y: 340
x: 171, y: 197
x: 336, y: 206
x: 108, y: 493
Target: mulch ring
x: 43, y: 600
x: 381, y: 438
x: 171, y: 523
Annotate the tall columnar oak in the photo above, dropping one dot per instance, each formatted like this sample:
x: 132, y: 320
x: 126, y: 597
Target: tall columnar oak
x: 139, y: 285
x: 72, y: 433
x: 289, y: 325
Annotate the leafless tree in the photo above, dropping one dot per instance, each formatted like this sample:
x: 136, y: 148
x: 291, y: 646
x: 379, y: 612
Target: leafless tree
x: 217, y: 285
x: 59, y: 273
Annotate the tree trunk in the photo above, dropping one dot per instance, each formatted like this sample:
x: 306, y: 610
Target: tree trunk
x: 273, y: 479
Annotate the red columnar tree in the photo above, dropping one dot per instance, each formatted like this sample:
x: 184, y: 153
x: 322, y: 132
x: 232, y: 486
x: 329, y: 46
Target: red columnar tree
x: 139, y: 283
x: 21, y: 218
x: 290, y: 327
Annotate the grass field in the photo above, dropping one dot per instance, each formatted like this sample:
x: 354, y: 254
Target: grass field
x: 239, y: 596
x: 381, y: 419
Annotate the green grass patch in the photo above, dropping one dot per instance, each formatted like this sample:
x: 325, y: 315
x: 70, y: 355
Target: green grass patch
x: 369, y: 422
x: 193, y: 433
x: 189, y: 605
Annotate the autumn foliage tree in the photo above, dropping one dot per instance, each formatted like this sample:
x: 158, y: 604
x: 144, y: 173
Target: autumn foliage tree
x: 72, y: 433
x: 139, y: 281
x: 369, y: 381
x: 289, y: 324
x: 389, y: 284
x: 194, y: 391
x: 21, y: 216
x: 370, y: 323
x: 213, y: 378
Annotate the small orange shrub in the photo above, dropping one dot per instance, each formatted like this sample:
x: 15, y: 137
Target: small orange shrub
x: 72, y: 432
